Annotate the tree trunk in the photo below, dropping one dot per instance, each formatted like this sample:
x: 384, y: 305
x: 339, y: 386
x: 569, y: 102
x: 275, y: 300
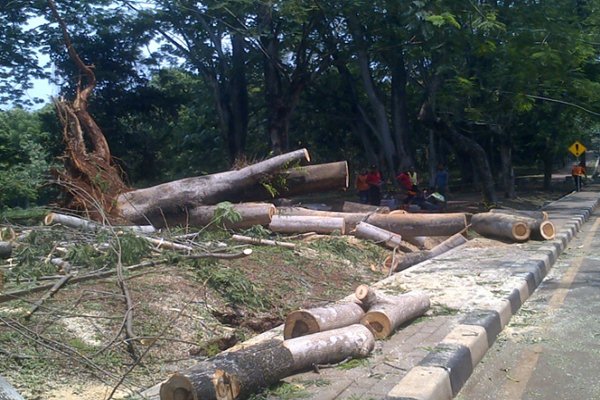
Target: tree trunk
x: 380, y: 236
x: 305, y: 322
x: 304, y: 224
x: 7, y: 391
x: 238, y: 374
x: 383, y: 318
x: 250, y: 214
x: 238, y: 104
x: 400, y: 111
x: 541, y: 228
x: 350, y: 219
x: 513, y: 228
x: 508, y: 173
x: 173, y: 198
x: 420, y: 224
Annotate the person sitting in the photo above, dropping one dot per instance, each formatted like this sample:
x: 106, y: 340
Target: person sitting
x: 362, y: 186
x: 374, y: 182
x: 407, y: 186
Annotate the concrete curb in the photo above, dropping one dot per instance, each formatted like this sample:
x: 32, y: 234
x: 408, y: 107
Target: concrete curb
x: 445, y: 369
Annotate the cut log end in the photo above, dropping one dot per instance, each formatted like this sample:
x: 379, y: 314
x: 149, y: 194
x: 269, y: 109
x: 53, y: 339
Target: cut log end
x: 547, y: 230
x: 299, y: 323
x: 177, y: 387
x: 48, y: 219
x: 378, y: 323
x: 521, y: 231
x: 362, y: 292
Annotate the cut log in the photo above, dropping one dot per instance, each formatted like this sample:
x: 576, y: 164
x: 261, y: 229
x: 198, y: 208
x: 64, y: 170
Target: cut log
x: 300, y: 181
x: 170, y: 199
x: 7, y: 234
x: 503, y: 226
x: 265, y: 242
x: 250, y: 214
x: 305, y: 322
x: 540, y: 215
x: 350, y: 219
x: 367, y: 231
x: 238, y: 374
x: 5, y: 249
x: 90, y: 226
x: 368, y: 297
x: 420, y: 224
x: 304, y: 224
x: 383, y: 318
x: 409, y: 259
x: 7, y: 391
x: 541, y: 227
x: 351, y: 207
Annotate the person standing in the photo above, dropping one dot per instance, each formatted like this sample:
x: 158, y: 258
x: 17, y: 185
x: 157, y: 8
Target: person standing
x: 440, y: 183
x: 578, y: 173
x: 374, y: 182
x: 412, y: 174
x: 362, y: 186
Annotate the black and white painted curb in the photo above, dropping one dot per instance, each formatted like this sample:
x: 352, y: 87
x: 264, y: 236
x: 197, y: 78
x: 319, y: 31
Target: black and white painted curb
x: 444, y: 371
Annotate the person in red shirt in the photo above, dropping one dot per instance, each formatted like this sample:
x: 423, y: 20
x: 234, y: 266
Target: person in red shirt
x: 374, y: 182
x: 407, y: 186
x: 362, y: 186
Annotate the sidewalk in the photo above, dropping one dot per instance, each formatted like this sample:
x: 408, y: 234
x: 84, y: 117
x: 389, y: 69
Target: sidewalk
x: 474, y: 289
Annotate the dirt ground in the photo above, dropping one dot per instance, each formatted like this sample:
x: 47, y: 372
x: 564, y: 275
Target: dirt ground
x: 184, y: 310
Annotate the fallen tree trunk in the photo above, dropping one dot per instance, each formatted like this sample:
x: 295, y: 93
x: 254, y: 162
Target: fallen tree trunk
x: 541, y: 227
x: 351, y: 207
x: 5, y: 249
x: 7, y: 391
x: 250, y: 214
x: 304, y: 224
x: 305, y: 322
x: 300, y: 181
x: 409, y: 259
x: 420, y: 224
x: 503, y: 226
x: 90, y: 226
x: 367, y: 231
x: 238, y: 374
x: 384, y: 317
x: 170, y: 199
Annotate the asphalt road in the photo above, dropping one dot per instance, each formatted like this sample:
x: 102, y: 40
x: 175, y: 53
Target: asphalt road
x: 551, y: 348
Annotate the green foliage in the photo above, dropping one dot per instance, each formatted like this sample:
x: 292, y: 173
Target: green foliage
x: 23, y: 158
x: 224, y: 212
x: 232, y: 284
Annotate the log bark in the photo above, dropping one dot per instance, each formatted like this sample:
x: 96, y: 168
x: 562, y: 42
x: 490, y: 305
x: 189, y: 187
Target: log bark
x: 172, y: 198
x: 238, y: 374
x: 541, y: 227
x: 351, y: 207
x: 367, y: 231
x: 250, y: 214
x: 350, y: 219
x: 383, y: 318
x: 510, y: 227
x: 420, y: 224
x: 265, y: 242
x: 5, y: 249
x: 301, y: 181
x: 304, y: 224
x: 305, y: 322
x: 7, y: 391
x: 409, y: 259
x: 90, y: 226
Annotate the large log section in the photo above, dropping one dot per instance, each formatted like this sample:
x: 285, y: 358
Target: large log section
x: 402, y: 224
x: 409, y: 259
x: 305, y: 322
x: 502, y: 226
x: 172, y: 198
x: 251, y: 214
x: 237, y: 374
x: 541, y: 227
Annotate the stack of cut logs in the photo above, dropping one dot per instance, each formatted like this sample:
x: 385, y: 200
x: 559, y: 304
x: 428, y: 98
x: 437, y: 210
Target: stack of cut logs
x: 312, y: 338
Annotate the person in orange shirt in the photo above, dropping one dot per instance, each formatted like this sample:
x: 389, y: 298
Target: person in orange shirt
x: 578, y: 173
x: 362, y: 186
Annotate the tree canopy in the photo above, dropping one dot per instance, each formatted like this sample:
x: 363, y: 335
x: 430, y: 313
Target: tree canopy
x: 188, y: 87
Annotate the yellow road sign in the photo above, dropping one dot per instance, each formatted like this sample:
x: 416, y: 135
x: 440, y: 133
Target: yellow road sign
x: 577, y: 148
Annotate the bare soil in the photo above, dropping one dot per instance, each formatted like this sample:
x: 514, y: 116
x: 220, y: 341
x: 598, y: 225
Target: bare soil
x: 183, y: 311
